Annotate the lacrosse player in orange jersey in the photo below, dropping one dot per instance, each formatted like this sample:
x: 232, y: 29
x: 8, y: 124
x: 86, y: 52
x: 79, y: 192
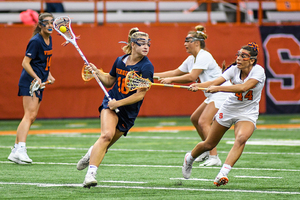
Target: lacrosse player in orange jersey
x: 36, y: 66
x: 199, y: 66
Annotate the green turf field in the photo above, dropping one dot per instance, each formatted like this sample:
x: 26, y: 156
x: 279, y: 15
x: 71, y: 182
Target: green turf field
x: 147, y: 165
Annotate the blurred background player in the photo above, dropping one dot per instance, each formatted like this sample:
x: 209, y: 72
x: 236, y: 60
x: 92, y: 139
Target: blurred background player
x: 200, y: 66
x: 241, y: 108
x: 36, y: 65
x: 114, y: 125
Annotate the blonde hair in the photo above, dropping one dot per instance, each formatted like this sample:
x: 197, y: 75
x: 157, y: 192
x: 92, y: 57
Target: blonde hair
x: 42, y: 16
x: 199, y: 34
x: 134, y: 33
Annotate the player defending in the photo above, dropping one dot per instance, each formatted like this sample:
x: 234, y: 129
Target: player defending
x: 36, y: 65
x: 241, y: 108
x: 114, y: 125
x: 199, y: 66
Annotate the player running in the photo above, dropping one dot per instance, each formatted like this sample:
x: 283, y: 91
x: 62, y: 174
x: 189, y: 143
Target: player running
x: 241, y: 108
x: 114, y: 125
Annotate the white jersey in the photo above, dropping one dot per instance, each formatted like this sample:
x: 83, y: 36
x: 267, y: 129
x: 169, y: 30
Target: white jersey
x: 211, y: 71
x: 246, y: 102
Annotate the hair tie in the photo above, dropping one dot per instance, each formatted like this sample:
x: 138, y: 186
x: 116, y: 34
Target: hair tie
x: 254, y: 46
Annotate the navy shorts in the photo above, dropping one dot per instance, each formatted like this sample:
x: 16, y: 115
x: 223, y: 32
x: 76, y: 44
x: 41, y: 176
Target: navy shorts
x: 24, y: 91
x: 124, y: 123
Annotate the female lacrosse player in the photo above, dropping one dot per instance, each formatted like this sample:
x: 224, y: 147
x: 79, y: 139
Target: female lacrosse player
x: 240, y: 108
x: 114, y: 125
x: 36, y: 66
x: 199, y: 66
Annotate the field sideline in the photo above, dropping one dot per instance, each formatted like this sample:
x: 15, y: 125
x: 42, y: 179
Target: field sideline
x: 147, y: 163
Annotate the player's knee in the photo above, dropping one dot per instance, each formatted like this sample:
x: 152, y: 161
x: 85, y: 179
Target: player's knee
x: 105, y: 137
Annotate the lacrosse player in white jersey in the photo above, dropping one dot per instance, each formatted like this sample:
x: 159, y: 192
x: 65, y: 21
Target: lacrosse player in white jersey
x: 241, y: 108
x: 199, y: 66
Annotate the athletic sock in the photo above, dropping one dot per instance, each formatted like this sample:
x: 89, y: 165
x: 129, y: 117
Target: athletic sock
x: 22, y: 145
x: 190, y: 159
x: 92, y: 169
x: 16, y: 146
x: 225, y: 169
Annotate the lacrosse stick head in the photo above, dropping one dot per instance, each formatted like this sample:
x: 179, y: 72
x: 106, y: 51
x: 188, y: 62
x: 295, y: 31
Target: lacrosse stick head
x: 86, y: 74
x: 34, y: 86
x: 68, y: 33
x: 134, y: 81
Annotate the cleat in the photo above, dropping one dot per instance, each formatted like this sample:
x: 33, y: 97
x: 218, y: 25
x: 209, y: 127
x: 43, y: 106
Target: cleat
x: 21, y: 154
x: 221, y: 179
x: 186, y: 168
x: 12, y: 157
x: 202, y: 157
x: 212, y: 161
x: 84, y: 161
x: 90, y: 180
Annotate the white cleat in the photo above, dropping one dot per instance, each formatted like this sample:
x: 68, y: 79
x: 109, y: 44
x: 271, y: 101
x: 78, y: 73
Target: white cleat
x: 212, y: 161
x: 90, y: 180
x: 12, y: 157
x: 187, y: 167
x: 221, y: 179
x: 21, y: 153
x: 202, y: 157
x: 84, y: 161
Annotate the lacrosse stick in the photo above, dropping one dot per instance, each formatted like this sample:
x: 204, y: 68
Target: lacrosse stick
x: 87, y: 75
x: 134, y: 82
x: 35, y: 86
x: 67, y: 33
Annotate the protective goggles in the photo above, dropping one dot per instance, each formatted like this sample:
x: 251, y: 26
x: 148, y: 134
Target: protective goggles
x: 141, y: 41
x: 245, y: 56
x: 46, y: 22
x: 192, y: 39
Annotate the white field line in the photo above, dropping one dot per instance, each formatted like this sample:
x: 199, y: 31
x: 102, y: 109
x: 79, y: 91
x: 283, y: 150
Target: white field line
x: 192, y: 179
x: 271, y: 142
x: 153, y: 188
x: 159, y: 166
x: 152, y: 150
x: 265, y: 177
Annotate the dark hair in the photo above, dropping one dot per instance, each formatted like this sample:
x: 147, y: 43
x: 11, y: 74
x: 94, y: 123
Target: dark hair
x: 200, y: 35
x: 253, y: 49
x: 41, y: 17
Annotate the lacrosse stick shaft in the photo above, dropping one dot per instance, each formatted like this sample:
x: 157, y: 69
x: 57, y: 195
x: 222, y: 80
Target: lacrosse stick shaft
x: 95, y: 76
x: 175, y: 86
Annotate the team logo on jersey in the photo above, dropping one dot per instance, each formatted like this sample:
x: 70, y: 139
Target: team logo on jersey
x: 220, y: 115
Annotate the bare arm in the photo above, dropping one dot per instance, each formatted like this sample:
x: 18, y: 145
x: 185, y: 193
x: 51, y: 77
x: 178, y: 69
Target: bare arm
x: 218, y: 81
x: 238, y: 88
x: 136, y: 97
x: 51, y: 78
x: 26, y: 65
x: 107, y: 80
x: 186, y: 78
x: 170, y: 73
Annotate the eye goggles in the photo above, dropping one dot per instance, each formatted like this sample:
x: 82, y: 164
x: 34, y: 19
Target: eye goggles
x: 141, y: 41
x: 192, y: 39
x: 245, y: 56
x: 46, y: 22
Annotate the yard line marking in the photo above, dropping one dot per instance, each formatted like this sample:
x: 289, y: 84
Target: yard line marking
x: 146, y: 129
x: 152, y: 150
x: 161, y: 166
x: 266, y: 177
x: 192, y: 179
x: 271, y: 142
x: 153, y: 188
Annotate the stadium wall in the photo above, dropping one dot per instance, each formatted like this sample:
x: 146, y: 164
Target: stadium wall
x: 71, y: 97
